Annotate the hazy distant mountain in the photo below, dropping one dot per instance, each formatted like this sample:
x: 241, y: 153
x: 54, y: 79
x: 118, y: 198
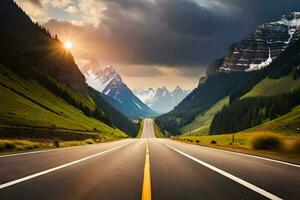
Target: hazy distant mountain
x: 161, y: 100
x: 109, y: 82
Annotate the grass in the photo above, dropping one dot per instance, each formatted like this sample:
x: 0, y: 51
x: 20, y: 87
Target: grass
x: 288, y: 124
x: 266, y: 142
x: 21, y: 145
x: 201, y: 124
x: 50, y: 112
x: 268, y: 87
x: 243, y: 141
x: 286, y: 129
x: 158, y: 133
x: 139, y: 135
x: 6, y: 145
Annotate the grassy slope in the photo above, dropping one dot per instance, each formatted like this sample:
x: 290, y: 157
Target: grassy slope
x: 284, y: 126
x: 139, y: 135
x: 268, y: 87
x: 17, y: 110
x: 158, y: 133
x: 200, y: 126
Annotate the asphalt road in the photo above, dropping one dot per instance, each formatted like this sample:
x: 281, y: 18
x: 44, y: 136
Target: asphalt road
x: 117, y: 171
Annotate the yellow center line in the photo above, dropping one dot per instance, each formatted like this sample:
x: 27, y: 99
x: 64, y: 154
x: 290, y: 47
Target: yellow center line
x: 146, y: 193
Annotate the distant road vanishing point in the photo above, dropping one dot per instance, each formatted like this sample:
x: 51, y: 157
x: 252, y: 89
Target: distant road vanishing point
x: 146, y: 168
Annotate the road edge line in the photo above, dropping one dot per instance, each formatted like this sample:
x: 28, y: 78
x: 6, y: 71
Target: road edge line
x: 230, y: 176
x: 14, y: 182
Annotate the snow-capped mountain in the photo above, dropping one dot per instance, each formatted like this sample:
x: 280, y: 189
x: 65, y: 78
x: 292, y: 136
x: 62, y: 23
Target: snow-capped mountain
x: 261, y: 47
x: 109, y: 82
x: 161, y: 100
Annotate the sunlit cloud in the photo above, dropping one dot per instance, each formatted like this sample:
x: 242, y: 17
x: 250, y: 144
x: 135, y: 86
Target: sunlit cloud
x: 71, y: 9
x: 60, y: 3
x: 157, y: 38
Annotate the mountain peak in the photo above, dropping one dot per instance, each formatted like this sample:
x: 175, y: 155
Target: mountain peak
x: 93, y: 65
x: 109, y: 69
x: 261, y: 47
x: 292, y: 16
x: 161, y: 99
x: 110, y: 83
x: 178, y: 88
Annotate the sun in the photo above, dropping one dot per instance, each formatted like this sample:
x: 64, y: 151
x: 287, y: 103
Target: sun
x: 68, y: 45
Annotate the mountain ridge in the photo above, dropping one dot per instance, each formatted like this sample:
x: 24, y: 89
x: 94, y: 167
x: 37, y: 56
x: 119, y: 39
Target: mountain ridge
x: 161, y: 99
x: 107, y: 81
x: 261, y: 47
x: 225, y: 77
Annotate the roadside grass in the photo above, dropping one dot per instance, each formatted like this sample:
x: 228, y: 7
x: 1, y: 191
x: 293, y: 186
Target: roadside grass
x: 256, y: 142
x: 10, y: 145
x: 21, y: 145
x: 158, y: 133
x: 286, y: 129
x: 139, y: 135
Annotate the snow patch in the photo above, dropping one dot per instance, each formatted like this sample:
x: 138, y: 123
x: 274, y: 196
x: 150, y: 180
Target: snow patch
x: 137, y: 104
x: 254, y: 67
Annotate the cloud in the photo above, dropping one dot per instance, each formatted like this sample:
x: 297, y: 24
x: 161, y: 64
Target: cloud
x: 60, y: 3
x: 183, y: 34
x: 35, y: 8
x: 93, y: 11
x: 71, y: 10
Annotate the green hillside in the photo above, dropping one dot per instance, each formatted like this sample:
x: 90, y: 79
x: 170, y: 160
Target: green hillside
x: 201, y: 125
x: 24, y: 102
x: 285, y: 127
x: 288, y: 124
x: 268, y: 86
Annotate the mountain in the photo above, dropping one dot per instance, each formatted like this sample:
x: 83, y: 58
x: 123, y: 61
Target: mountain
x: 38, y: 49
x: 145, y: 95
x: 109, y: 82
x: 200, y: 99
x: 261, y: 47
x: 43, y: 93
x: 161, y: 100
x: 233, y: 85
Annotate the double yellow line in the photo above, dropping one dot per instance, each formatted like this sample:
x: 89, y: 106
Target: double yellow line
x: 146, y: 193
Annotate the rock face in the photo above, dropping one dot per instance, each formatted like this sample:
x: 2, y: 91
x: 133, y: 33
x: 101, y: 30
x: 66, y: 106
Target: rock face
x: 109, y: 82
x: 24, y: 43
x: 261, y: 47
x: 161, y: 100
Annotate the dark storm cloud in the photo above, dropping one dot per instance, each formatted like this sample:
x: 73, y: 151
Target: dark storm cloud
x: 182, y: 33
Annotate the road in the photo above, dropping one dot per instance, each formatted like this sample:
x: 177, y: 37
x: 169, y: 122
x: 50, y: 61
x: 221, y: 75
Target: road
x: 146, y: 168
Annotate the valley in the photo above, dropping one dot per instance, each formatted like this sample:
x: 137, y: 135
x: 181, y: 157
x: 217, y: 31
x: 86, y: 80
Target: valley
x: 149, y: 100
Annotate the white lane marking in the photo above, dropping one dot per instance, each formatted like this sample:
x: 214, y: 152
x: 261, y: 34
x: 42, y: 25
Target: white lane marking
x: 43, y: 151
x: 58, y: 167
x: 253, y: 156
x: 230, y: 176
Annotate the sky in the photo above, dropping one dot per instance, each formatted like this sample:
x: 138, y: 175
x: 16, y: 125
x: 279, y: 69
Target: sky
x: 154, y: 43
